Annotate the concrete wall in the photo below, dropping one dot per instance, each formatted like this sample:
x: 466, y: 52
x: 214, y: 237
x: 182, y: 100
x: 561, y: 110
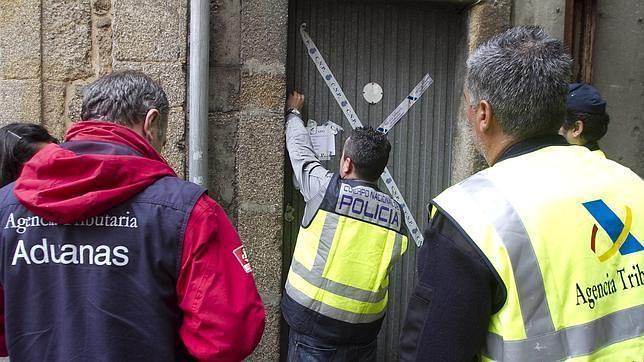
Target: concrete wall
x: 547, y: 13
x: 618, y: 73
x: 617, y: 68
x: 247, y: 89
x: 50, y: 49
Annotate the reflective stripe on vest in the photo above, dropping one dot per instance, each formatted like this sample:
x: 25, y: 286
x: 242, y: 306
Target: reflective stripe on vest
x: 523, y: 275
x: 315, y: 290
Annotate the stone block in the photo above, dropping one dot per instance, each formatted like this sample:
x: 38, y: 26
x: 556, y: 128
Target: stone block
x: 264, y: 30
x: 21, y: 101
x: 261, y: 233
x: 20, y: 39
x: 488, y: 19
x: 66, y: 39
x: 175, y: 147
x: 225, y: 32
x: 153, y: 30
x: 101, y: 7
x: 263, y: 91
x: 222, y: 145
x: 260, y: 160
x: 103, y: 45
x: 269, y: 347
x: 53, y: 110
x: 171, y: 76
x: 225, y: 82
x: 74, y: 100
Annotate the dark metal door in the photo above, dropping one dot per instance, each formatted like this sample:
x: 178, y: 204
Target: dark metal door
x: 393, y: 44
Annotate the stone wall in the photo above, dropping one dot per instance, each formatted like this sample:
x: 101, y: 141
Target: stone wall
x: 247, y: 89
x: 51, y: 49
x: 485, y: 20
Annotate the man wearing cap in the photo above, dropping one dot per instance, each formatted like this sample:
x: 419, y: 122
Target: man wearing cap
x: 586, y: 119
x: 517, y: 265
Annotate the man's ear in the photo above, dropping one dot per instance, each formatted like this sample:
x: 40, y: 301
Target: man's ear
x: 151, y: 125
x: 483, y: 116
x: 578, y: 129
x: 347, y: 166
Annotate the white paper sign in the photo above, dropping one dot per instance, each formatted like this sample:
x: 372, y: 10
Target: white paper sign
x: 323, y: 138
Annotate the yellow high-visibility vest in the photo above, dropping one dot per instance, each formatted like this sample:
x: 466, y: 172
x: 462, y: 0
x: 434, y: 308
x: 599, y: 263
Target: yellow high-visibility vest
x: 342, y: 259
x: 599, y: 153
x: 564, y: 231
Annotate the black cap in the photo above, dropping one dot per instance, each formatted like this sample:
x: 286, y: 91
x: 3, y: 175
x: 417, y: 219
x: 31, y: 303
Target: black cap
x: 585, y: 98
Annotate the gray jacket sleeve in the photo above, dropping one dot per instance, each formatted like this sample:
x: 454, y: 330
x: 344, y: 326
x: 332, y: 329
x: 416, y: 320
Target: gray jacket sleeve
x: 309, y: 176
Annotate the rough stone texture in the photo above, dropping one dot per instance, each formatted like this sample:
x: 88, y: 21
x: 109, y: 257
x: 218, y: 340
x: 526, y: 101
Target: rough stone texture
x: 547, y: 13
x: 171, y: 76
x: 619, y: 75
x: 260, y: 173
x: 53, y: 111
x: 263, y: 91
x: 225, y: 83
x: 264, y: 25
x: 175, y: 147
x: 485, y: 20
x: 102, y: 50
x: 222, y: 146
x: 66, y: 39
x: 20, y: 100
x: 269, y: 347
x: 74, y: 100
x: 261, y: 140
x: 20, y: 39
x: 488, y: 19
x: 260, y: 154
x: 154, y: 30
x: 225, y: 32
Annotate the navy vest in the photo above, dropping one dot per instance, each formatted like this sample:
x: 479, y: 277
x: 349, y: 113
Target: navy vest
x: 101, y: 289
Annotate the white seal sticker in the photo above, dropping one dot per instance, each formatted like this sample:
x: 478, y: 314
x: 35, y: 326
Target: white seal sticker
x: 372, y: 93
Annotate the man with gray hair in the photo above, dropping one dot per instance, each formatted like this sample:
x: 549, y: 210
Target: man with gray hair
x: 108, y: 255
x: 538, y: 257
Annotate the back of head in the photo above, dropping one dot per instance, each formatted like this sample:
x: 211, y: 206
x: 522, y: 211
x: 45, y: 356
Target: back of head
x: 18, y: 143
x: 123, y: 97
x: 585, y: 104
x: 369, y: 151
x: 523, y: 73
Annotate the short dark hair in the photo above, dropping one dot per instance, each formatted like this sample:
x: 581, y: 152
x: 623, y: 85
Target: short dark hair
x: 123, y: 97
x: 369, y: 151
x: 18, y: 143
x: 595, y: 125
x: 523, y: 73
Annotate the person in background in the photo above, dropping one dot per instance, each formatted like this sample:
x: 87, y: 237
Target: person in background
x: 517, y: 265
x: 336, y: 295
x: 108, y: 256
x: 586, y: 119
x: 18, y: 143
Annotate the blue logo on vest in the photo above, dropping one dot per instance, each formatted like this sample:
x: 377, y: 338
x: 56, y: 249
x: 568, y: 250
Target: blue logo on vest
x: 618, y: 231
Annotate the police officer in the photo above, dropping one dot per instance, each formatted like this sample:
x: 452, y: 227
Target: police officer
x: 586, y: 119
x: 336, y: 293
x: 539, y: 257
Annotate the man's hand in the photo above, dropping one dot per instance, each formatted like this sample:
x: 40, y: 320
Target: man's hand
x: 295, y: 100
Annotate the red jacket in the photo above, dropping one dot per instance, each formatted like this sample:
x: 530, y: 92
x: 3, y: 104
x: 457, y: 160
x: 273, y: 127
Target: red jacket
x: 223, y: 315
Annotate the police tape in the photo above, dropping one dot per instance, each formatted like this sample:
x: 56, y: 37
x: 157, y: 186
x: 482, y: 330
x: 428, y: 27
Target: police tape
x: 354, y: 121
x: 404, y: 106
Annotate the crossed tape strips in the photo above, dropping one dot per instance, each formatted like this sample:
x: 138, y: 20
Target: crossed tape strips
x: 385, y: 127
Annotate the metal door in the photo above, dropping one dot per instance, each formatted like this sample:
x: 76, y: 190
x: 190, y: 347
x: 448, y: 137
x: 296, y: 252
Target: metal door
x: 393, y: 44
